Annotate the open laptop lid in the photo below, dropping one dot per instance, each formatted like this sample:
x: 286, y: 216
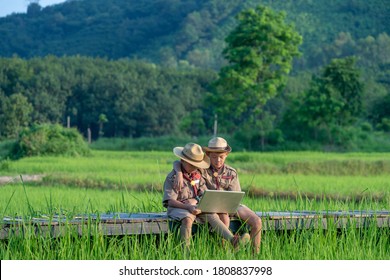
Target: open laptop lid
x: 213, y: 201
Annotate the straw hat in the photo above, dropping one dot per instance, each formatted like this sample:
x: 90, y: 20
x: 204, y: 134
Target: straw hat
x: 217, y: 145
x: 193, y: 154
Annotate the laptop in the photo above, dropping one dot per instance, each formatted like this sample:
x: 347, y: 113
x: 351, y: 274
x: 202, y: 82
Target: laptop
x: 213, y: 201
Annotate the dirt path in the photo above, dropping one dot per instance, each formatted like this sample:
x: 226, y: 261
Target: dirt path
x: 19, y: 178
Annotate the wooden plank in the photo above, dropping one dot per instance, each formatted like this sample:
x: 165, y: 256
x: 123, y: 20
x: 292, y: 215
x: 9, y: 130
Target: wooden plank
x: 286, y: 215
x: 383, y: 222
x: 155, y: 223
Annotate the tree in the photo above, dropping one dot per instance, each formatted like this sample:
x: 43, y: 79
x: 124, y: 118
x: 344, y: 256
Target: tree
x: 319, y: 108
x: 344, y: 78
x: 259, y: 51
x: 15, y: 113
x: 102, y: 120
x: 34, y: 8
x: 380, y: 114
x: 334, y: 98
x: 193, y: 124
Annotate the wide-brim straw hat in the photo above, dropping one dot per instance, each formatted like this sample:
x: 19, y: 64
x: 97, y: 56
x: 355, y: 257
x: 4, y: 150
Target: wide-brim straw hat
x: 193, y: 154
x: 217, y: 145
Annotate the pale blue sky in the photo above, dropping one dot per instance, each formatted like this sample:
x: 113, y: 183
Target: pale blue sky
x: 20, y: 6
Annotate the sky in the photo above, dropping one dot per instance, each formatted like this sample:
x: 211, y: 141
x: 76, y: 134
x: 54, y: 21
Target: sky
x: 20, y: 6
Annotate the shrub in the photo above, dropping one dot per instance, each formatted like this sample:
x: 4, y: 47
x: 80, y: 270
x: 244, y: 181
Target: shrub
x: 5, y: 148
x: 366, y: 127
x: 48, y: 139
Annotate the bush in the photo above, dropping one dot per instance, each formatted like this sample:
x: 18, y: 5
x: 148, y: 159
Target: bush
x: 5, y: 148
x: 49, y: 139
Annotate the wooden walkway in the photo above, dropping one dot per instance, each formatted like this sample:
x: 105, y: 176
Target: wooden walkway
x: 157, y: 223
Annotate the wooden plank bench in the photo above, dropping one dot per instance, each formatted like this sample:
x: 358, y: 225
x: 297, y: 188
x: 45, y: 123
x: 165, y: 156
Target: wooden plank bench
x: 112, y: 224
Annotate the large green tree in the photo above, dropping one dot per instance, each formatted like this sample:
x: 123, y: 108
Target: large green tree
x: 260, y: 52
x: 15, y: 113
x: 334, y: 99
x: 344, y: 77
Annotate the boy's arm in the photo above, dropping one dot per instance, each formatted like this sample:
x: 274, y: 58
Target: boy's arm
x: 178, y: 183
x: 177, y: 204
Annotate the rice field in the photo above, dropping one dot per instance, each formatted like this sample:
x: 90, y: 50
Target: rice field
x: 132, y: 182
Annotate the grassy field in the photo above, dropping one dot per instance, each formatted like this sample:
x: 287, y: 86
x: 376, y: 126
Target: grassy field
x: 132, y: 182
x: 346, y: 175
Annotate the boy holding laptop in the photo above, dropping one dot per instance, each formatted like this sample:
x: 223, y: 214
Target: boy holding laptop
x: 220, y: 176
x: 181, y: 202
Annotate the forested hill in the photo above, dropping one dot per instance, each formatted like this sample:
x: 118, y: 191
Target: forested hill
x: 172, y: 31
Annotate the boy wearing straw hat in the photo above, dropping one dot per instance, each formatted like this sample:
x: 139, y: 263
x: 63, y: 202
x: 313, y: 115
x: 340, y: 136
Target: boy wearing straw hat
x: 220, y: 176
x: 181, y: 202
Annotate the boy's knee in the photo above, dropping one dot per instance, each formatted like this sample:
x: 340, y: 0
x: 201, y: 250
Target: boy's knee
x: 256, y: 223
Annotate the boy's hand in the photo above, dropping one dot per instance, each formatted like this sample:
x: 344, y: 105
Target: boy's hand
x: 193, y: 210
x: 191, y: 201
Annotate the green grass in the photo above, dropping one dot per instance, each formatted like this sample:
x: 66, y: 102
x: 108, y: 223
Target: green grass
x: 355, y: 174
x: 350, y: 243
x: 19, y: 200
x: 303, y: 245
x: 111, y: 182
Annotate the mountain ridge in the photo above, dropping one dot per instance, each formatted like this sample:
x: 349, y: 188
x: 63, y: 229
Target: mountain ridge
x: 170, y: 31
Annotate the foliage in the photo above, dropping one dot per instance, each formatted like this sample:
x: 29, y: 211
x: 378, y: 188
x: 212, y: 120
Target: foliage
x: 126, y: 97
x: 42, y: 140
x: 333, y: 102
x: 260, y: 52
x: 170, y: 31
x: 381, y: 113
x: 344, y: 77
x: 6, y: 148
x: 15, y: 112
x: 72, y: 60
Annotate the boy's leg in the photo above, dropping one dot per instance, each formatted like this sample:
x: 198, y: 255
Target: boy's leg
x: 254, y: 221
x: 186, y: 230
x: 224, y: 217
x: 218, y: 226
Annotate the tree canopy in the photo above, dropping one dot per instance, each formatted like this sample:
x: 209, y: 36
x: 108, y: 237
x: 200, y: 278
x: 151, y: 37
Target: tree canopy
x: 170, y: 31
x: 260, y: 51
x: 148, y: 68
x: 131, y: 98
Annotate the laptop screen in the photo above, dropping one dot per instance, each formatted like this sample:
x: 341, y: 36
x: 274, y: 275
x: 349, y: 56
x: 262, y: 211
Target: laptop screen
x: 214, y: 201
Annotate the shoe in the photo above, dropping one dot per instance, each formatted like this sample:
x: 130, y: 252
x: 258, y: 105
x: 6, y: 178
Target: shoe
x: 245, y: 238
x: 239, y: 241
